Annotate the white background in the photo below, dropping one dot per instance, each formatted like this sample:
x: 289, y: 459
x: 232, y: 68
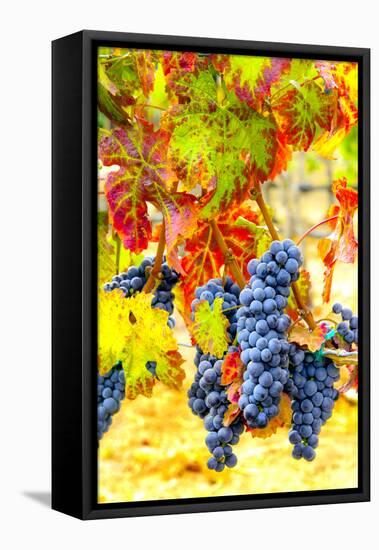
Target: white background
x: 26, y: 31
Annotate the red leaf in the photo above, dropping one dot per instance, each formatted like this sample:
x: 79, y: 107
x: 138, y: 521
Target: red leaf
x: 342, y: 80
x: 325, y: 68
x: 232, y: 368
x: 144, y: 175
x: 203, y: 259
x: 341, y: 245
x: 128, y: 211
x: 232, y: 376
x: 300, y: 110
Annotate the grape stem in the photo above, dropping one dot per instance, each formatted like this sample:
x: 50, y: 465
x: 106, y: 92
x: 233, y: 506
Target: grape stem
x: 156, y: 270
x: 315, y: 227
x: 256, y: 194
x: 118, y: 253
x: 230, y: 261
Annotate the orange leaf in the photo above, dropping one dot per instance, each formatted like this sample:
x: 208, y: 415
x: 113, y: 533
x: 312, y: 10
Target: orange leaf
x: 341, y: 245
x: 283, y: 419
x: 304, y: 285
x: 203, y: 259
x: 232, y: 368
x: 231, y: 414
x: 302, y: 336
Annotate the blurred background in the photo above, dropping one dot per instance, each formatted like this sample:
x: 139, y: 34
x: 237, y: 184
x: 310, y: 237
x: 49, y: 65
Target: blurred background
x: 155, y: 447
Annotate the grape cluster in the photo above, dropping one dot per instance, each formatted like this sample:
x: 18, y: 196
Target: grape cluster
x: 347, y: 330
x: 208, y: 400
x: 261, y: 331
x: 110, y: 393
x: 311, y: 388
x: 228, y: 291
x: 134, y: 279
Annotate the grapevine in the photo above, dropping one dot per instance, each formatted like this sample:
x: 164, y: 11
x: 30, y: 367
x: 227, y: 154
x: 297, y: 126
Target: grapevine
x: 186, y: 148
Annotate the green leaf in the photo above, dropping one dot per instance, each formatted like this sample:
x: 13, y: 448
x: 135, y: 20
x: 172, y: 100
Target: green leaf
x: 235, y: 144
x: 262, y: 237
x: 210, y: 327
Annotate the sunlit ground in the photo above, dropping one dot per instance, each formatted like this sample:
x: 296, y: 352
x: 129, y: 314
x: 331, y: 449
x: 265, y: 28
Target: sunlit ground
x: 155, y: 447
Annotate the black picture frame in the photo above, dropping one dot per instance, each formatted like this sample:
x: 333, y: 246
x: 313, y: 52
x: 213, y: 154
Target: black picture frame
x: 74, y: 332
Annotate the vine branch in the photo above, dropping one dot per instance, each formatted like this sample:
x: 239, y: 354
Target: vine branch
x: 256, y: 194
x: 315, y: 227
x: 155, y: 272
x: 230, y: 261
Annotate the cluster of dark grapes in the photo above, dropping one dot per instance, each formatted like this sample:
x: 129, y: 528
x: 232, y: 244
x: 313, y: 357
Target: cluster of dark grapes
x: 311, y: 388
x: 208, y: 400
x: 261, y: 331
x: 134, y: 279
x: 110, y: 393
x: 348, y: 328
x: 228, y: 291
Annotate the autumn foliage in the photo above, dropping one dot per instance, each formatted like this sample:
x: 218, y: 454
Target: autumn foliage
x: 193, y: 134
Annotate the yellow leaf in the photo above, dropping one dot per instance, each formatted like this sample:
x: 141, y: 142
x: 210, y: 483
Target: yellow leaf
x: 313, y: 339
x: 209, y: 327
x: 132, y: 332
x: 327, y: 143
x: 283, y: 419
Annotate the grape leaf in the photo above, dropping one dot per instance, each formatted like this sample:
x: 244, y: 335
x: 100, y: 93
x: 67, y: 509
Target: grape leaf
x: 125, y: 77
x: 262, y: 238
x: 132, y: 332
x: 341, y: 245
x: 325, y: 70
x: 231, y: 414
x: 143, y: 175
x: 234, y: 143
x: 249, y: 77
x: 302, y: 336
x: 109, y: 100
x: 177, y: 67
x: 342, y: 78
x: 107, y: 252
x: 301, y: 111
x: 209, y: 327
x: 304, y: 287
x: 203, y: 260
x: 282, y: 419
x: 232, y: 376
x: 232, y: 368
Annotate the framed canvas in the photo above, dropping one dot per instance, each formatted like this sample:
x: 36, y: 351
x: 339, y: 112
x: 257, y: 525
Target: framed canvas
x: 210, y: 264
